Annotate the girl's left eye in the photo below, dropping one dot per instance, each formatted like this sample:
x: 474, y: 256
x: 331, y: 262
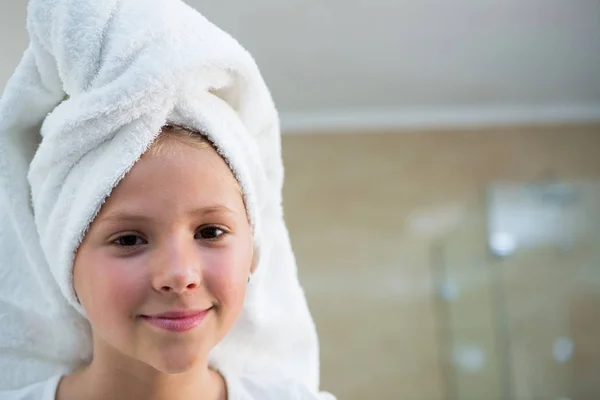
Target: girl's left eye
x: 209, y: 233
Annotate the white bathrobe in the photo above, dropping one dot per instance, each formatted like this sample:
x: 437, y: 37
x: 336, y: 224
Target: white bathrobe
x: 97, y: 82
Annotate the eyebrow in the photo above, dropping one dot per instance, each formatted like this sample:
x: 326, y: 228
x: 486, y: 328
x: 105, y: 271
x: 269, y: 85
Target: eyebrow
x: 118, y: 216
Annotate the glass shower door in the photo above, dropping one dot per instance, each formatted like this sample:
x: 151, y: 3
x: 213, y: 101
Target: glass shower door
x: 519, y: 289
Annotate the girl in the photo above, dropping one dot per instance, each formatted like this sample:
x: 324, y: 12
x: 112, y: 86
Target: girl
x: 162, y: 275
x: 144, y: 253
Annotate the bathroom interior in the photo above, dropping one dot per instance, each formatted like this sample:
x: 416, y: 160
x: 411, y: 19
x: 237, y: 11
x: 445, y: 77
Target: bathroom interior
x: 442, y: 187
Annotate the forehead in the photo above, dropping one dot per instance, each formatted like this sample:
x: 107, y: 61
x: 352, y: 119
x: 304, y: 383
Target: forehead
x: 179, y: 176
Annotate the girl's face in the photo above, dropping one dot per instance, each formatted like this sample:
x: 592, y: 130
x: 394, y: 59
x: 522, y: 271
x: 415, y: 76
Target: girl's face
x: 162, y: 271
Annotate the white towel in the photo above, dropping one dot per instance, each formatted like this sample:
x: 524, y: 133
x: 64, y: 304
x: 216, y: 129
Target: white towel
x: 97, y: 82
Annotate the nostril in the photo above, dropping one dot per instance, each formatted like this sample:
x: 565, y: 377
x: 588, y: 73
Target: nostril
x: 179, y: 288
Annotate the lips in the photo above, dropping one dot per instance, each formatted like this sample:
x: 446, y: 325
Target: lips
x: 177, y: 321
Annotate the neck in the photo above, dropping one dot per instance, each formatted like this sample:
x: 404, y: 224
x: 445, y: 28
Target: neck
x: 132, y: 379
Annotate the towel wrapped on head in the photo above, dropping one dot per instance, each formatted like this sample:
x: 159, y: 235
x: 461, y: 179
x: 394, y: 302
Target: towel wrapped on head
x: 93, y: 89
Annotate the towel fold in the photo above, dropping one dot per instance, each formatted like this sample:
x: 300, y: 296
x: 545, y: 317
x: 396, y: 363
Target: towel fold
x: 93, y: 89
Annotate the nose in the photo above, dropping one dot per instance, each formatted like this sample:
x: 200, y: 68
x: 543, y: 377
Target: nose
x: 176, y: 268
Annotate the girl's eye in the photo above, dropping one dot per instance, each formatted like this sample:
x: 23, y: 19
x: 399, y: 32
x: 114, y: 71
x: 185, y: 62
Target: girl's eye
x: 209, y: 233
x: 129, y: 241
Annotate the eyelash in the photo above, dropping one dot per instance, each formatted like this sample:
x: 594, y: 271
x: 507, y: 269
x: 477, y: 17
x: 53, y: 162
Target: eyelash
x: 197, y: 236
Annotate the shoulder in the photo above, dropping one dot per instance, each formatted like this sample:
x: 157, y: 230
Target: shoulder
x: 258, y: 388
x: 45, y: 390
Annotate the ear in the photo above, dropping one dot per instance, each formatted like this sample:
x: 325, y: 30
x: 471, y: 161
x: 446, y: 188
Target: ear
x: 254, y: 261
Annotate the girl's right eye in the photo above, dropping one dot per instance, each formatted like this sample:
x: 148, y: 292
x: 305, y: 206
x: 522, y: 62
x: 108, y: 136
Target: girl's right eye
x: 129, y: 241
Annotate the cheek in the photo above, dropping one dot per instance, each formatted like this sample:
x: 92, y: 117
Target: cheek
x: 227, y: 277
x: 108, y: 288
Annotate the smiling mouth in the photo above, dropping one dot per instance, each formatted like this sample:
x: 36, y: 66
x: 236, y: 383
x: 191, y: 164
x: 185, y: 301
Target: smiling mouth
x: 177, y: 321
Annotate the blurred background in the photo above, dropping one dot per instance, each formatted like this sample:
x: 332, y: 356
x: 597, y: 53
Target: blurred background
x: 442, y: 187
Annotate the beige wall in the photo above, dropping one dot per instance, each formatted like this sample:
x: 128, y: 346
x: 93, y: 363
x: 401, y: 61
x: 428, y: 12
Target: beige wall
x: 379, y: 220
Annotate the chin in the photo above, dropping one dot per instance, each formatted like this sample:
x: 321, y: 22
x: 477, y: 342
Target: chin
x: 177, y: 359
x: 173, y: 365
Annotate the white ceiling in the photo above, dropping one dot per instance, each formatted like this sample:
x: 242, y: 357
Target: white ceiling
x: 407, y: 53
x: 335, y: 54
